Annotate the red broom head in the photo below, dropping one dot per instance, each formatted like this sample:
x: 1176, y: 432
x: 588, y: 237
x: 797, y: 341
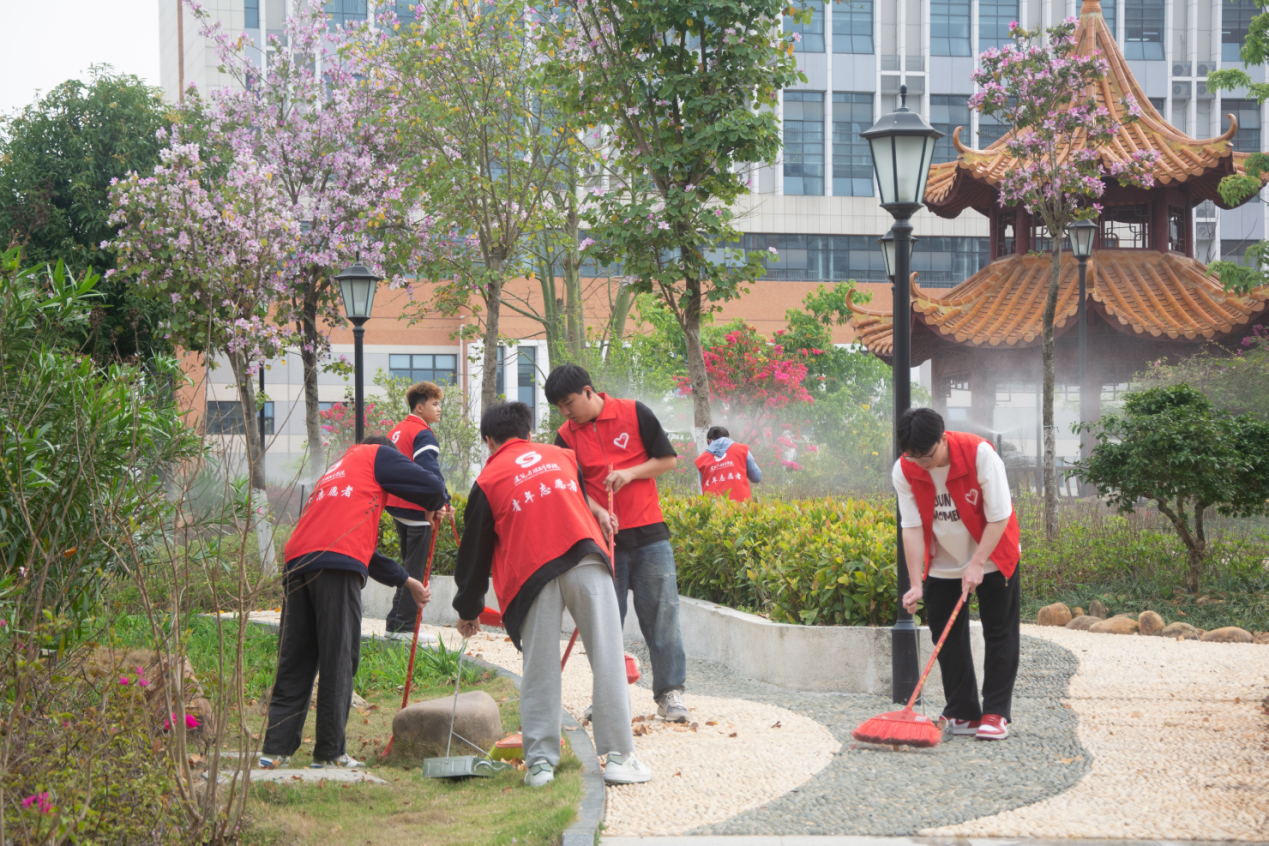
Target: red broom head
x: 632, y: 669
x: 490, y: 617
x: 900, y: 728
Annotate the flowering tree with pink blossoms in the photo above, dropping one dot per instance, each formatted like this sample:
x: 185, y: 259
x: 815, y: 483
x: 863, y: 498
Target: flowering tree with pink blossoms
x: 314, y: 118
x: 210, y: 239
x: 1062, y: 141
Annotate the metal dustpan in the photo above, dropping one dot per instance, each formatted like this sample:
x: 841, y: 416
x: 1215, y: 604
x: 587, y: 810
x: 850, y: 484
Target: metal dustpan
x: 461, y: 766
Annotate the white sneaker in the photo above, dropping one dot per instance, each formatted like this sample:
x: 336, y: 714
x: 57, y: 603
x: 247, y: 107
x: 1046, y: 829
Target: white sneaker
x: 274, y: 762
x: 425, y: 638
x: 343, y: 762
x: 993, y: 727
x: 625, y: 769
x: 963, y: 728
x: 673, y: 708
x: 539, y: 774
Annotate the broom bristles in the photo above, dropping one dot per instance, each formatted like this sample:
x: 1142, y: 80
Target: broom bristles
x: 900, y: 728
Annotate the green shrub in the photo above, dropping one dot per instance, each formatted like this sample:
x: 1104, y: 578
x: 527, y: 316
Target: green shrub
x: 815, y: 561
x: 446, y: 555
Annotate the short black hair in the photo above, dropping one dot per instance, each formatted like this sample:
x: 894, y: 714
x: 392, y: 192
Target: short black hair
x: 505, y: 421
x: 378, y: 440
x: 918, y: 430
x: 716, y: 432
x: 564, y: 380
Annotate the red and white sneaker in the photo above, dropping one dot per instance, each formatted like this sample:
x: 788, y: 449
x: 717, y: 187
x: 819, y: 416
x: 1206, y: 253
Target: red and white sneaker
x: 963, y: 728
x: 993, y: 727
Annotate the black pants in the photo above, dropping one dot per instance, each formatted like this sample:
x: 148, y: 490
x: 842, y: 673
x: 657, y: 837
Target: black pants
x: 414, y: 542
x: 999, y: 602
x: 321, y: 630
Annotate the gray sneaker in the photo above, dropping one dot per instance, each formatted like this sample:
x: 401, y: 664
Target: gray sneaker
x: 626, y: 769
x: 539, y: 774
x: 672, y: 707
x: 343, y: 762
x: 274, y: 762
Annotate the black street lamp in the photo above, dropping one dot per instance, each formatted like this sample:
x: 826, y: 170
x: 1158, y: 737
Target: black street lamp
x: 358, y: 284
x: 902, y: 145
x: 1083, y: 233
x: 887, y: 251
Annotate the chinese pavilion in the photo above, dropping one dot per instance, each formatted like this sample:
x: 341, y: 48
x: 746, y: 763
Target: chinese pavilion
x: 1148, y: 297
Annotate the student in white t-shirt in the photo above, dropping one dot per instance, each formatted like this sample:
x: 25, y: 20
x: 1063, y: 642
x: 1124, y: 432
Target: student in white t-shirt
x: 960, y: 536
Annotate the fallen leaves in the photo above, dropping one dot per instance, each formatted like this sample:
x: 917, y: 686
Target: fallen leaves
x: 711, y: 722
x: 1136, y: 715
x: 733, y: 734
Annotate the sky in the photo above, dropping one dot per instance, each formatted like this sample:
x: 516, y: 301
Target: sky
x: 47, y: 43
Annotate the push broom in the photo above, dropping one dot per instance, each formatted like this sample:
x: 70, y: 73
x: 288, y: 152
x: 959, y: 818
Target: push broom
x: 906, y: 727
x: 414, y: 645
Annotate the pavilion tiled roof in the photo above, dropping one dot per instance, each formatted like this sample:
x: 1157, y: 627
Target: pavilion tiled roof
x: 1139, y: 292
x: 972, y: 179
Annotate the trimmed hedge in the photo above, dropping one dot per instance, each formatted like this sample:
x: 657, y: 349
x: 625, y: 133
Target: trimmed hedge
x: 823, y: 561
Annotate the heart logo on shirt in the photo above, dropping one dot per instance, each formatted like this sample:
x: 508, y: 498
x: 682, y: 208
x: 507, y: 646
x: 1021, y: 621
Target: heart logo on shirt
x: 622, y: 441
x: 971, y: 496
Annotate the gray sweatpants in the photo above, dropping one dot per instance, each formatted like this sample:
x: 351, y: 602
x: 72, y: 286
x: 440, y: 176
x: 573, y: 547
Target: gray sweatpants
x: 588, y: 594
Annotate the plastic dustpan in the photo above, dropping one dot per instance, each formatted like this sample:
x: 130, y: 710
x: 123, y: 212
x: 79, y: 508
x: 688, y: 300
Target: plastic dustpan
x: 462, y: 766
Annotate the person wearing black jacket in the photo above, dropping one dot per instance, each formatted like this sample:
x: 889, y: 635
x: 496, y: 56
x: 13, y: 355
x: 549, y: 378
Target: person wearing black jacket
x: 328, y: 558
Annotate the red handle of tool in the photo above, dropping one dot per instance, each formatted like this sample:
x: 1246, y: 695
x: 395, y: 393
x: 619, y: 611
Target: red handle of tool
x: 938, y: 647
x: 418, y: 621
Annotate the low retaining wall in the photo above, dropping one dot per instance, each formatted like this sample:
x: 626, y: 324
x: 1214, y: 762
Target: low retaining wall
x: 821, y: 659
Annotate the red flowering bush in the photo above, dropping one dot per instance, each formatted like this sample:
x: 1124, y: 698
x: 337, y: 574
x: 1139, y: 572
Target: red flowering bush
x: 339, y: 422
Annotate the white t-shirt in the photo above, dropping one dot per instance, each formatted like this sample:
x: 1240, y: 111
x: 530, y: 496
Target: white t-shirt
x: 954, y: 545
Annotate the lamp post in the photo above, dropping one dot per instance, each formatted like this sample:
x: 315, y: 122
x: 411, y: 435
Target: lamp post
x: 357, y: 284
x: 902, y: 146
x: 1083, y: 233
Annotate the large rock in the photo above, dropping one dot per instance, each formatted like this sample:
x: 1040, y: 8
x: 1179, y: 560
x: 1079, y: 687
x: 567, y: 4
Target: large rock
x: 1056, y: 614
x: 1261, y: 638
x: 1150, y: 623
x: 1077, y: 612
x: 1229, y: 634
x: 421, y: 730
x: 1182, y: 630
x: 1082, y: 623
x: 1115, y: 625
x: 1097, y: 609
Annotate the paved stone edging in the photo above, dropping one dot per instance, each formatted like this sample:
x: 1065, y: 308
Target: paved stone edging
x: 847, y: 840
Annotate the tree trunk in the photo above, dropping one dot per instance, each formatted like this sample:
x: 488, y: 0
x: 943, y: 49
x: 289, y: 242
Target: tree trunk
x: 1049, y: 430
x: 620, y: 311
x: 574, y: 317
x: 701, y: 415
x: 308, y: 357
x: 250, y: 419
x: 552, y: 306
x: 1196, y: 550
x: 493, y: 308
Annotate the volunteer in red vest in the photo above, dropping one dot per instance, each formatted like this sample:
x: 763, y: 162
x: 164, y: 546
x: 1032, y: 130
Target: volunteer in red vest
x: 531, y: 527
x: 620, y: 444
x: 960, y: 536
x: 328, y: 558
x: 413, y: 436
x: 727, y: 467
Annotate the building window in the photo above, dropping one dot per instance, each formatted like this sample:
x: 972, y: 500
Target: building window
x: 1247, y: 138
x: 1125, y: 227
x: 942, y: 262
x: 224, y: 417
x: 251, y: 14
x: 527, y: 375
x: 1143, y: 29
x: 811, y: 33
x: 994, y: 17
x: 852, y: 26
x: 990, y: 130
x: 946, y: 113
x: 1110, y: 14
x: 804, y: 143
x: 1236, y: 18
x: 1178, y: 229
x: 343, y: 12
x: 1235, y: 250
x: 949, y: 28
x: 852, y: 159
x: 439, y: 369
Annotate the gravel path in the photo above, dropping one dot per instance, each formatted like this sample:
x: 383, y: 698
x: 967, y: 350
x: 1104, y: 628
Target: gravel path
x: 1178, y: 740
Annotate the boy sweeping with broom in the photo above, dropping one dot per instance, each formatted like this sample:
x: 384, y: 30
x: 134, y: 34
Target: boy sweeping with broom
x: 960, y: 536
x: 530, y: 526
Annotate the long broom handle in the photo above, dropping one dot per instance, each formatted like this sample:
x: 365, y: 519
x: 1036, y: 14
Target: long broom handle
x: 612, y: 559
x: 418, y: 621
x: 930, y: 664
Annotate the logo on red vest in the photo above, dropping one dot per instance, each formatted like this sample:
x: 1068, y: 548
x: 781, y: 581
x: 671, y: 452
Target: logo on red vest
x: 622, y: 440
x: 528, y: 459
x: 971, y: 496
x: 396, y: 436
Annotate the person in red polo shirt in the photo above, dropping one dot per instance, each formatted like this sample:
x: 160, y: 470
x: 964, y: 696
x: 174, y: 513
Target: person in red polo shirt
x: 621, y: 446
x: 328, y: 558
x: 727, y: 467
x: 960, y: 536
x: 530, y: 525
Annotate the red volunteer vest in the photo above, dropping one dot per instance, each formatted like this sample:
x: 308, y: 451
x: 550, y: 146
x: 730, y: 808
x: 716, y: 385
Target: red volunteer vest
x: 727, y: 476
x: 967, y: 495
x: 343, y: 512
x: 403, y: 437
x: 539, y: 511
x: 613, y: 437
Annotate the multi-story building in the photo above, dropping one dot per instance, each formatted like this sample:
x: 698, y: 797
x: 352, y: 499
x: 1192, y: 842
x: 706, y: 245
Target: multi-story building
x: 817, y: 205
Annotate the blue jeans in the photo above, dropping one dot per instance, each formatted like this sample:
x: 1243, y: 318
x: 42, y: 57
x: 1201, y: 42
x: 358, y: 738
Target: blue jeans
x: 649, y: 572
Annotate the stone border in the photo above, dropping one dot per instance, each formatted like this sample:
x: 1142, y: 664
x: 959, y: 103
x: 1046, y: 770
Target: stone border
x: 782, y: 654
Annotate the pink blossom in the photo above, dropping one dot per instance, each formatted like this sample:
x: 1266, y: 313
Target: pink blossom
x: 41, y: 801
